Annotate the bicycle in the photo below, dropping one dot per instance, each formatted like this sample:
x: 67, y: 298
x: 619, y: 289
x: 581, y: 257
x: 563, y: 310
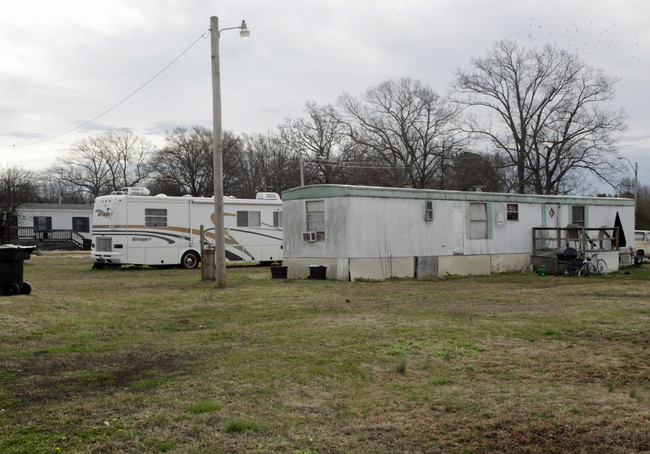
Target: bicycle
x: 588, y: 266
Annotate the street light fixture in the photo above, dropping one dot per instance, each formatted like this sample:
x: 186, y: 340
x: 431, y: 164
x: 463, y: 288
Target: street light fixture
x: 217, y: 139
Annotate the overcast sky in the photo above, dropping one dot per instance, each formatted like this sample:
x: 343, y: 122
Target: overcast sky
x: 66, y: 62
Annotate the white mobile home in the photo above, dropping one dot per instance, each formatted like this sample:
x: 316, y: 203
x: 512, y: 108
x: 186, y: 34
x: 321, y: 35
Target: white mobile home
x: 376, y: 232
x: 132, y: 227
x: 41, y: 222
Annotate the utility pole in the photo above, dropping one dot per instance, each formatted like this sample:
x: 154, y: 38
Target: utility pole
x: 636, y: 189
x: 217, y: 144
x: 217, y: 139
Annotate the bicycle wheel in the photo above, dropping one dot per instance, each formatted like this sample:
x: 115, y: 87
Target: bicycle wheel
x: 584, y: 269
x: 601, y: 266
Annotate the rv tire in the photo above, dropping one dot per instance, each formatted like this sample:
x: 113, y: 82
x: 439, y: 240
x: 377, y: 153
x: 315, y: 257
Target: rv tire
x: 190, y: 260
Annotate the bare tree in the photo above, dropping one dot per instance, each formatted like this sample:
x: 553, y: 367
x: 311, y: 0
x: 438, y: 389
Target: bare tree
x: 626, y: 189
x: 322, y: 142
x: 85, y: 167
x: 406, y: 125
x: 105, y: 163
x: 472, y: 171
x: 51, y: 190
x: 127, y: 157
x: 16, y: 188
x: 184, y: 164
x: 233, y: 148
x: 553, y: 116
x: 265, y: 164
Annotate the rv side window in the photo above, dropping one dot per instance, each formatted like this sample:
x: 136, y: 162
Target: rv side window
x: 248, y: 219
x: 316, y: 215
x: 155, y: 217
x: 578, y: 215
x: 478, y: 228
x: 428, y: 210
x: 513, y: 212
x: 277, y: 219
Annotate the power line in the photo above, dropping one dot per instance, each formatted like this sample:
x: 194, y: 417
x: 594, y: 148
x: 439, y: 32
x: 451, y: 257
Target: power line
x: 96, y: 117
x: 357, y: 165
x: 636, y: 144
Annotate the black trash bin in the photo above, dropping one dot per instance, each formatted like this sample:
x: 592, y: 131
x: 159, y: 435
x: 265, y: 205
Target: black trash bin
x: 11, y: 269
x: 317, y: 272
x: 279, y: 272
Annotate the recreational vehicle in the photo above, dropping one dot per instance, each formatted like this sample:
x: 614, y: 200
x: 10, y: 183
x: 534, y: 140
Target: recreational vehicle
x: 133, y: 227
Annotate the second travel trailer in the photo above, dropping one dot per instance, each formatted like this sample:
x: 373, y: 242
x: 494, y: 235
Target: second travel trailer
x: 133, y: 227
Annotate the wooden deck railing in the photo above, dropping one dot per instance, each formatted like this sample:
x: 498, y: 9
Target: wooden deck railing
x: 547, y: 240
x: 30, y: 233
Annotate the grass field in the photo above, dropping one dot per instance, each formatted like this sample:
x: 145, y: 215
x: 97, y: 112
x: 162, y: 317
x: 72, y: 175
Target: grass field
x: 144, y: 360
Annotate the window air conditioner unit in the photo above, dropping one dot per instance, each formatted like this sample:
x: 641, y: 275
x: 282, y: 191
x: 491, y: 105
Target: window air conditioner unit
x: 309, y: 237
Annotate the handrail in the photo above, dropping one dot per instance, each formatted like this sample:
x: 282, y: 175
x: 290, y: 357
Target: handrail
x: 601, y: 239
x: 30, y: 233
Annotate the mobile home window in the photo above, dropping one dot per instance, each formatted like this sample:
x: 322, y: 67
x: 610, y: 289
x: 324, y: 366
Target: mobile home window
x: 42, y: 222
x: 428, y: 210
x: 248, y: 219
x: 277, y: 219
x: 513, y: 212
x: 316, y: 215
x: 80, y: 224
x: 578, y: 215
x: 478, y: 226
x: 155, y: 217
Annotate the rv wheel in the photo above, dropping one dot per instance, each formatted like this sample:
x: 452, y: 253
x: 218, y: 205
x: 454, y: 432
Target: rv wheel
x: 190, y: 260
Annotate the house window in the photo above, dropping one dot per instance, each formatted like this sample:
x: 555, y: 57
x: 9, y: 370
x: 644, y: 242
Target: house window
x: 478, y: 225
x: 155, y: 217
x: 42, y: 222
x: 512, y: 212
x: 578, y: 215
x: 428, y: 210
x: 80, y: 224
x: 277, y: 219
x: 316, y: 215
x: 248, y: 219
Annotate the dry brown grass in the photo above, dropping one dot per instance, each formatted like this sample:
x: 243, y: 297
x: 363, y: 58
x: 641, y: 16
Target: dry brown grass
x: 157, y: 361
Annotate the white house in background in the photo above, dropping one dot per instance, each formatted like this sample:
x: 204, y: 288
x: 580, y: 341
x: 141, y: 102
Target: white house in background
x: 52, y: 216
x: 51, y: 221
x: 376, y: 232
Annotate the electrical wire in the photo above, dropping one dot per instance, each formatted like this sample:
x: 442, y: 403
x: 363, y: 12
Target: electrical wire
x: 355, y: 165
x: 134, y: 92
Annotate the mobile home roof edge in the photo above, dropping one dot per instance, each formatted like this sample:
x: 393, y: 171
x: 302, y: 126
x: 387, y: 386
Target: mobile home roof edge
x: 320, y: 191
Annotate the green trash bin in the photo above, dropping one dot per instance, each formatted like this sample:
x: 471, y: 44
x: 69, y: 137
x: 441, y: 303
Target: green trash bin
x: 11, y: 269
